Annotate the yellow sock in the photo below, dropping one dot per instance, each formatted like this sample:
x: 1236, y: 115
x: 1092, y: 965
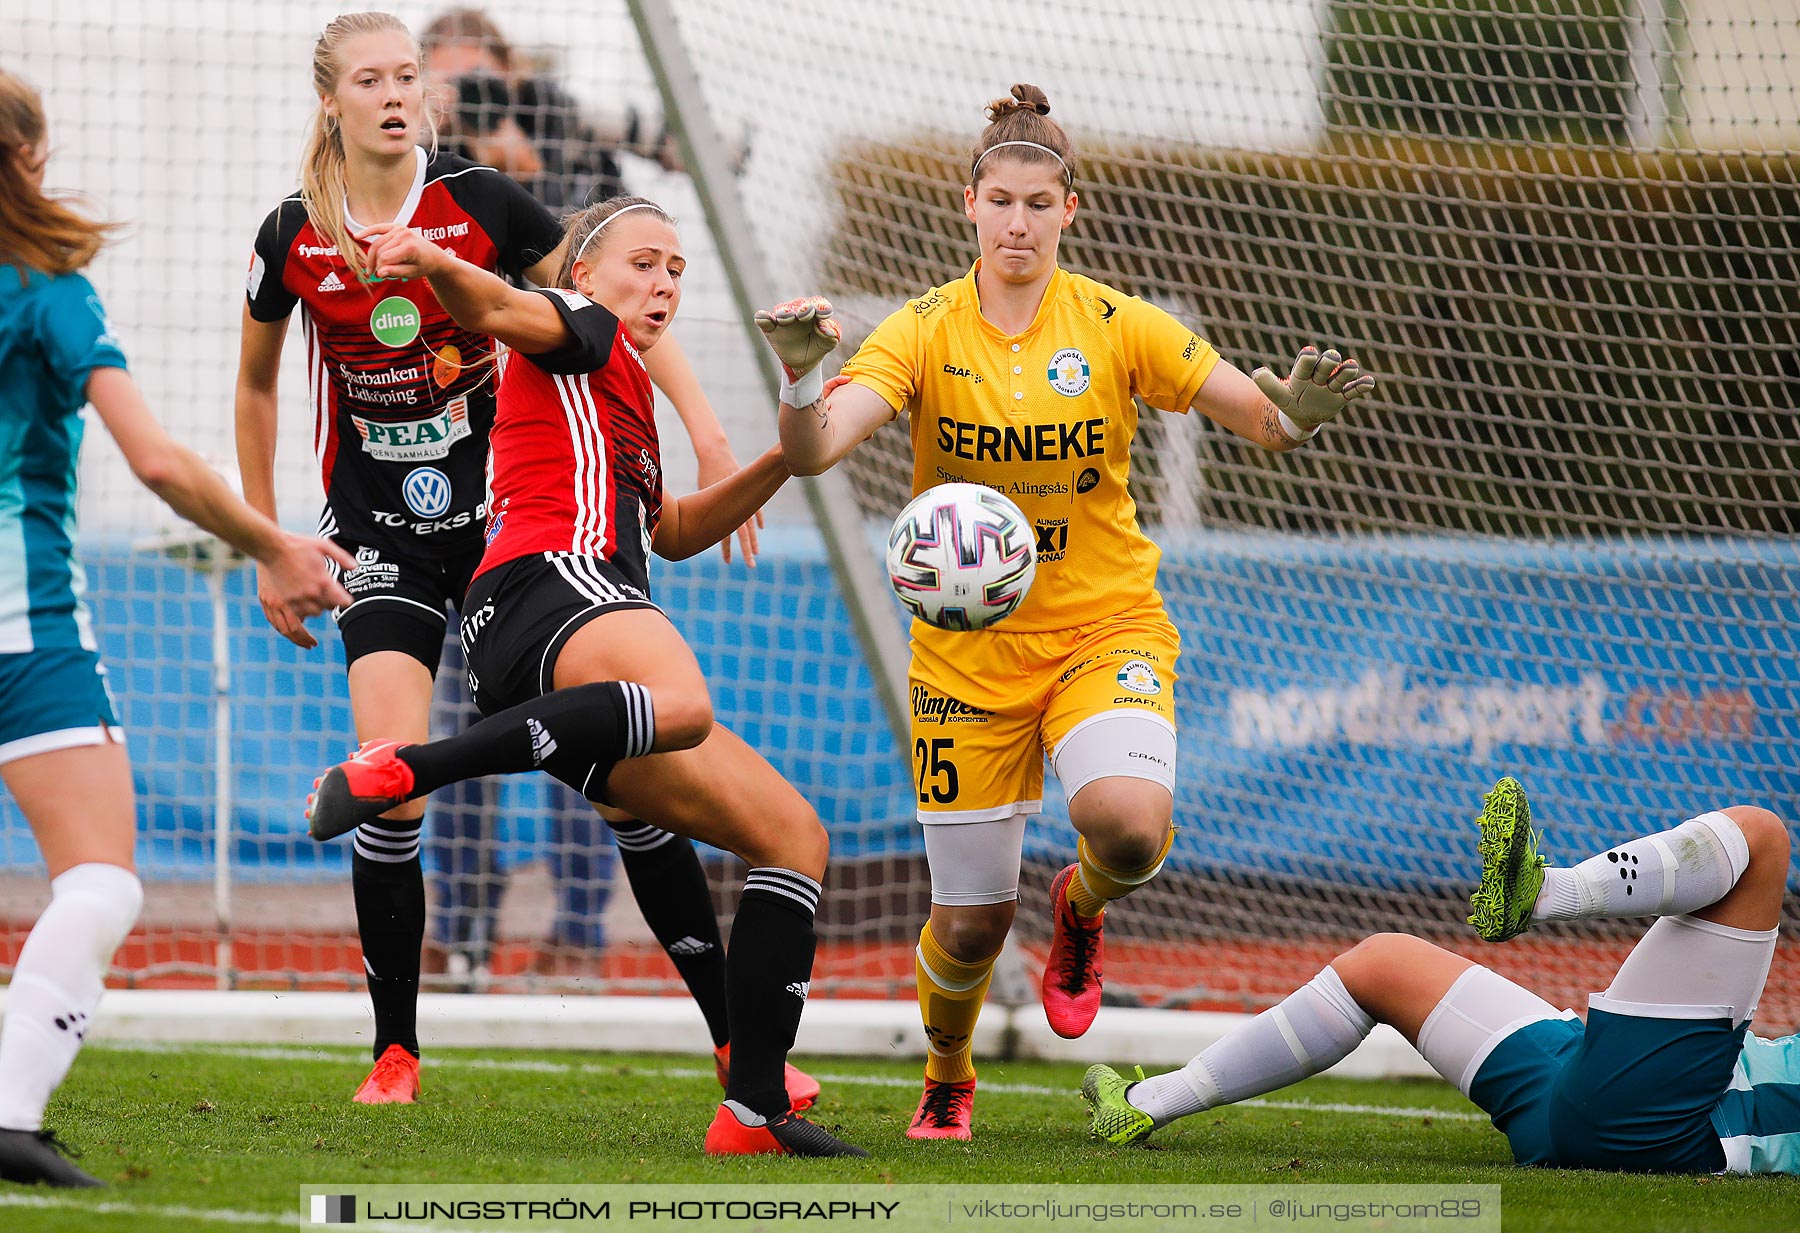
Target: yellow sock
x: 1094, y: 885
x: 950, y: 997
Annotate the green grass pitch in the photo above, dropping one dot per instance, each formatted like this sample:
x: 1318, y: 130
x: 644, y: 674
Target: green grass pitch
x: 198, y: 1138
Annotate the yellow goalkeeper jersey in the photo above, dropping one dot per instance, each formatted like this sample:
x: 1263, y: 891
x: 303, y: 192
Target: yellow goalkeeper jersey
x: 1046, y: 417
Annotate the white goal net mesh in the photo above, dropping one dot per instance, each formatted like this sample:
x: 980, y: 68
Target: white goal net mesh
x: 1558, y: 543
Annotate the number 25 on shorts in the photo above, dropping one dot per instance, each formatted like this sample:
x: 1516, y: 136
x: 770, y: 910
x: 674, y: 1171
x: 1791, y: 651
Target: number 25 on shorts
x: 931, y: 764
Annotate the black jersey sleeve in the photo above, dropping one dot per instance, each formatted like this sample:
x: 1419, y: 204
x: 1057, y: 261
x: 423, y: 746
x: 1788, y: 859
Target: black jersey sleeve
x: 594, y: 330
x: 523, y: 231
x: 265, y: 292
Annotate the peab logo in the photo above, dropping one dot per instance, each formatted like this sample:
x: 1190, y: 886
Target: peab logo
x: 395, y: 321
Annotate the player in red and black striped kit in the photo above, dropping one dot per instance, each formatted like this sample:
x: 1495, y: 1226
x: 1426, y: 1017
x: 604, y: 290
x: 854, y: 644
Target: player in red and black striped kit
x: 403, y: 404
x: 578, y: 671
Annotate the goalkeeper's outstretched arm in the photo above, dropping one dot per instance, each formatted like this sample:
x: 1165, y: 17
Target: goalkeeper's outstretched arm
x: 818, y: 426
x: 1282, y: 413
x: 816, y: 437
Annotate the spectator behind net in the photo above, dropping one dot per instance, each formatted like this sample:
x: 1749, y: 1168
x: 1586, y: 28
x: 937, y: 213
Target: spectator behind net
x: 492, y: 108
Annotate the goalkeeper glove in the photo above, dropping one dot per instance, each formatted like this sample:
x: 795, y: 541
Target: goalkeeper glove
x: 802, y: 334
x: 1319, y: 387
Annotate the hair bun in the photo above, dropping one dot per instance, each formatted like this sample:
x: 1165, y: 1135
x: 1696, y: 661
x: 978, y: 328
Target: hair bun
x: 1024, y: 97
x: 1031, y: 99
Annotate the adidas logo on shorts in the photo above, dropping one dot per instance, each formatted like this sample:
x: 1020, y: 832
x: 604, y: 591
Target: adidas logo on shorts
x: 800, y: 988
x: 332, y: 282
x: 689, y: 946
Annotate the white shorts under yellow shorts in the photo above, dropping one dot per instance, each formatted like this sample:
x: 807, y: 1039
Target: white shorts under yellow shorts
x: 989, y: 706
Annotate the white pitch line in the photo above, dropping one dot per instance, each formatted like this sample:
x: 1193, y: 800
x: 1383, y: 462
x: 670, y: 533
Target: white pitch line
x: 277, y: 1054
x: 218, y: 1215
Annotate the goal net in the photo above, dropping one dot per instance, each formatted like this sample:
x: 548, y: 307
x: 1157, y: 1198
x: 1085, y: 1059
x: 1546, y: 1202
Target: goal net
x: 1558, y: 543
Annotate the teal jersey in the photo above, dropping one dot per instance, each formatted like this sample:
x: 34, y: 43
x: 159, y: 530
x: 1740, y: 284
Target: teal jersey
x: 53, y: 334
x: 1758, y: 1117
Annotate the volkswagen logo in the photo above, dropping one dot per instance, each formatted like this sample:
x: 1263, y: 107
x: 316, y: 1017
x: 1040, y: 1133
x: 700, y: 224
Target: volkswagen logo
x: 427, y: 492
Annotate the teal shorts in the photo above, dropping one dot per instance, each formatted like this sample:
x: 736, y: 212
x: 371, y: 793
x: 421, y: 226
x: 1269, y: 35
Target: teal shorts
x: 1626, y: 1092
x: 54, y: 699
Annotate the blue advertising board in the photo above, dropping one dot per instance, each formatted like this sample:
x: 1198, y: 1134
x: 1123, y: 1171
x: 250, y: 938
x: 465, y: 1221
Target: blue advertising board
x: 1343, y: 702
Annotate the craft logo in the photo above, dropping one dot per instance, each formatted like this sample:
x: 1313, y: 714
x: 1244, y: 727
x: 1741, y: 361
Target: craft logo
x: 395, y: 321
x: 1069, y: 373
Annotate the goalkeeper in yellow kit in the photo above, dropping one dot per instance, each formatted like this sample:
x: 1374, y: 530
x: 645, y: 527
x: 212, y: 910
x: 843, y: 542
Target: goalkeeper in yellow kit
x: 1021, y: 376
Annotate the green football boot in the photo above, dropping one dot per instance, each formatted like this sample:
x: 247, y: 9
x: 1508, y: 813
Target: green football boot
x: 1512, y: 872
x: 1115, y: 1120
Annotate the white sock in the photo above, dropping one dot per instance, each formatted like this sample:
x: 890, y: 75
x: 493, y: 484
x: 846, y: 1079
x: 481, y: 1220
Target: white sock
x: 1313, y: 1030
x: 57, y: 983
x: 1667, y: 874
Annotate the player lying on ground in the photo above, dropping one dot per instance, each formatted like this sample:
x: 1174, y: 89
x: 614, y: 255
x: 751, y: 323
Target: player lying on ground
x: 1664, y: 1077
x: 579, y: 673
x: 62, y: 753
x: 1023, y: 376
x: 404, y: 401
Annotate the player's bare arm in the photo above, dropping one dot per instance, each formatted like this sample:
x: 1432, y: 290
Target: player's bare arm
x: 480, y: 302
x: 257, y: 414
x: 187, y: 483
x: 671, y: 372
x: 1278, y: 413
x: 701, y: 519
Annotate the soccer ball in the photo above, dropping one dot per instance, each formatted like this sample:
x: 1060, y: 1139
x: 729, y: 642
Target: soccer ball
x: 961, y: 556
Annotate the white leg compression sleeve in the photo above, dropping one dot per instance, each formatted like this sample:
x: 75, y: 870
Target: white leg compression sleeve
x: 1477, y: 1012
x: 1314, y: 1029
x: 57, y: 985
x: 975, y: 862
x: 1686, y: 962
x: 1123, y: 743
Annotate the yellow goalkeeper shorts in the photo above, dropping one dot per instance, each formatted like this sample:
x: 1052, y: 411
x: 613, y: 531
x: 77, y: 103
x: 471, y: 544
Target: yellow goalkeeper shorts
x: 988, y: 707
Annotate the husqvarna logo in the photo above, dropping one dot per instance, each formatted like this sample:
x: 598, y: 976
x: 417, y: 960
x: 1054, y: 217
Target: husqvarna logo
x: 427, y: 492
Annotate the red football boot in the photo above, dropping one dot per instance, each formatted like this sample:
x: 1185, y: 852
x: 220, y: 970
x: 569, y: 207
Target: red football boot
x: 802, y: 1088
x: 360, y: 790
x: 736, y: 1131
x: 1072, y: 973
x: 945, y: 1111
x: 394, y: 1081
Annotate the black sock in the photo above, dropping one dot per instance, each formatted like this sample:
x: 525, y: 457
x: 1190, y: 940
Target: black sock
x: 767, y: 972
x: 390, y: 920
x: 567, y: 732
x: 671, y: 891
